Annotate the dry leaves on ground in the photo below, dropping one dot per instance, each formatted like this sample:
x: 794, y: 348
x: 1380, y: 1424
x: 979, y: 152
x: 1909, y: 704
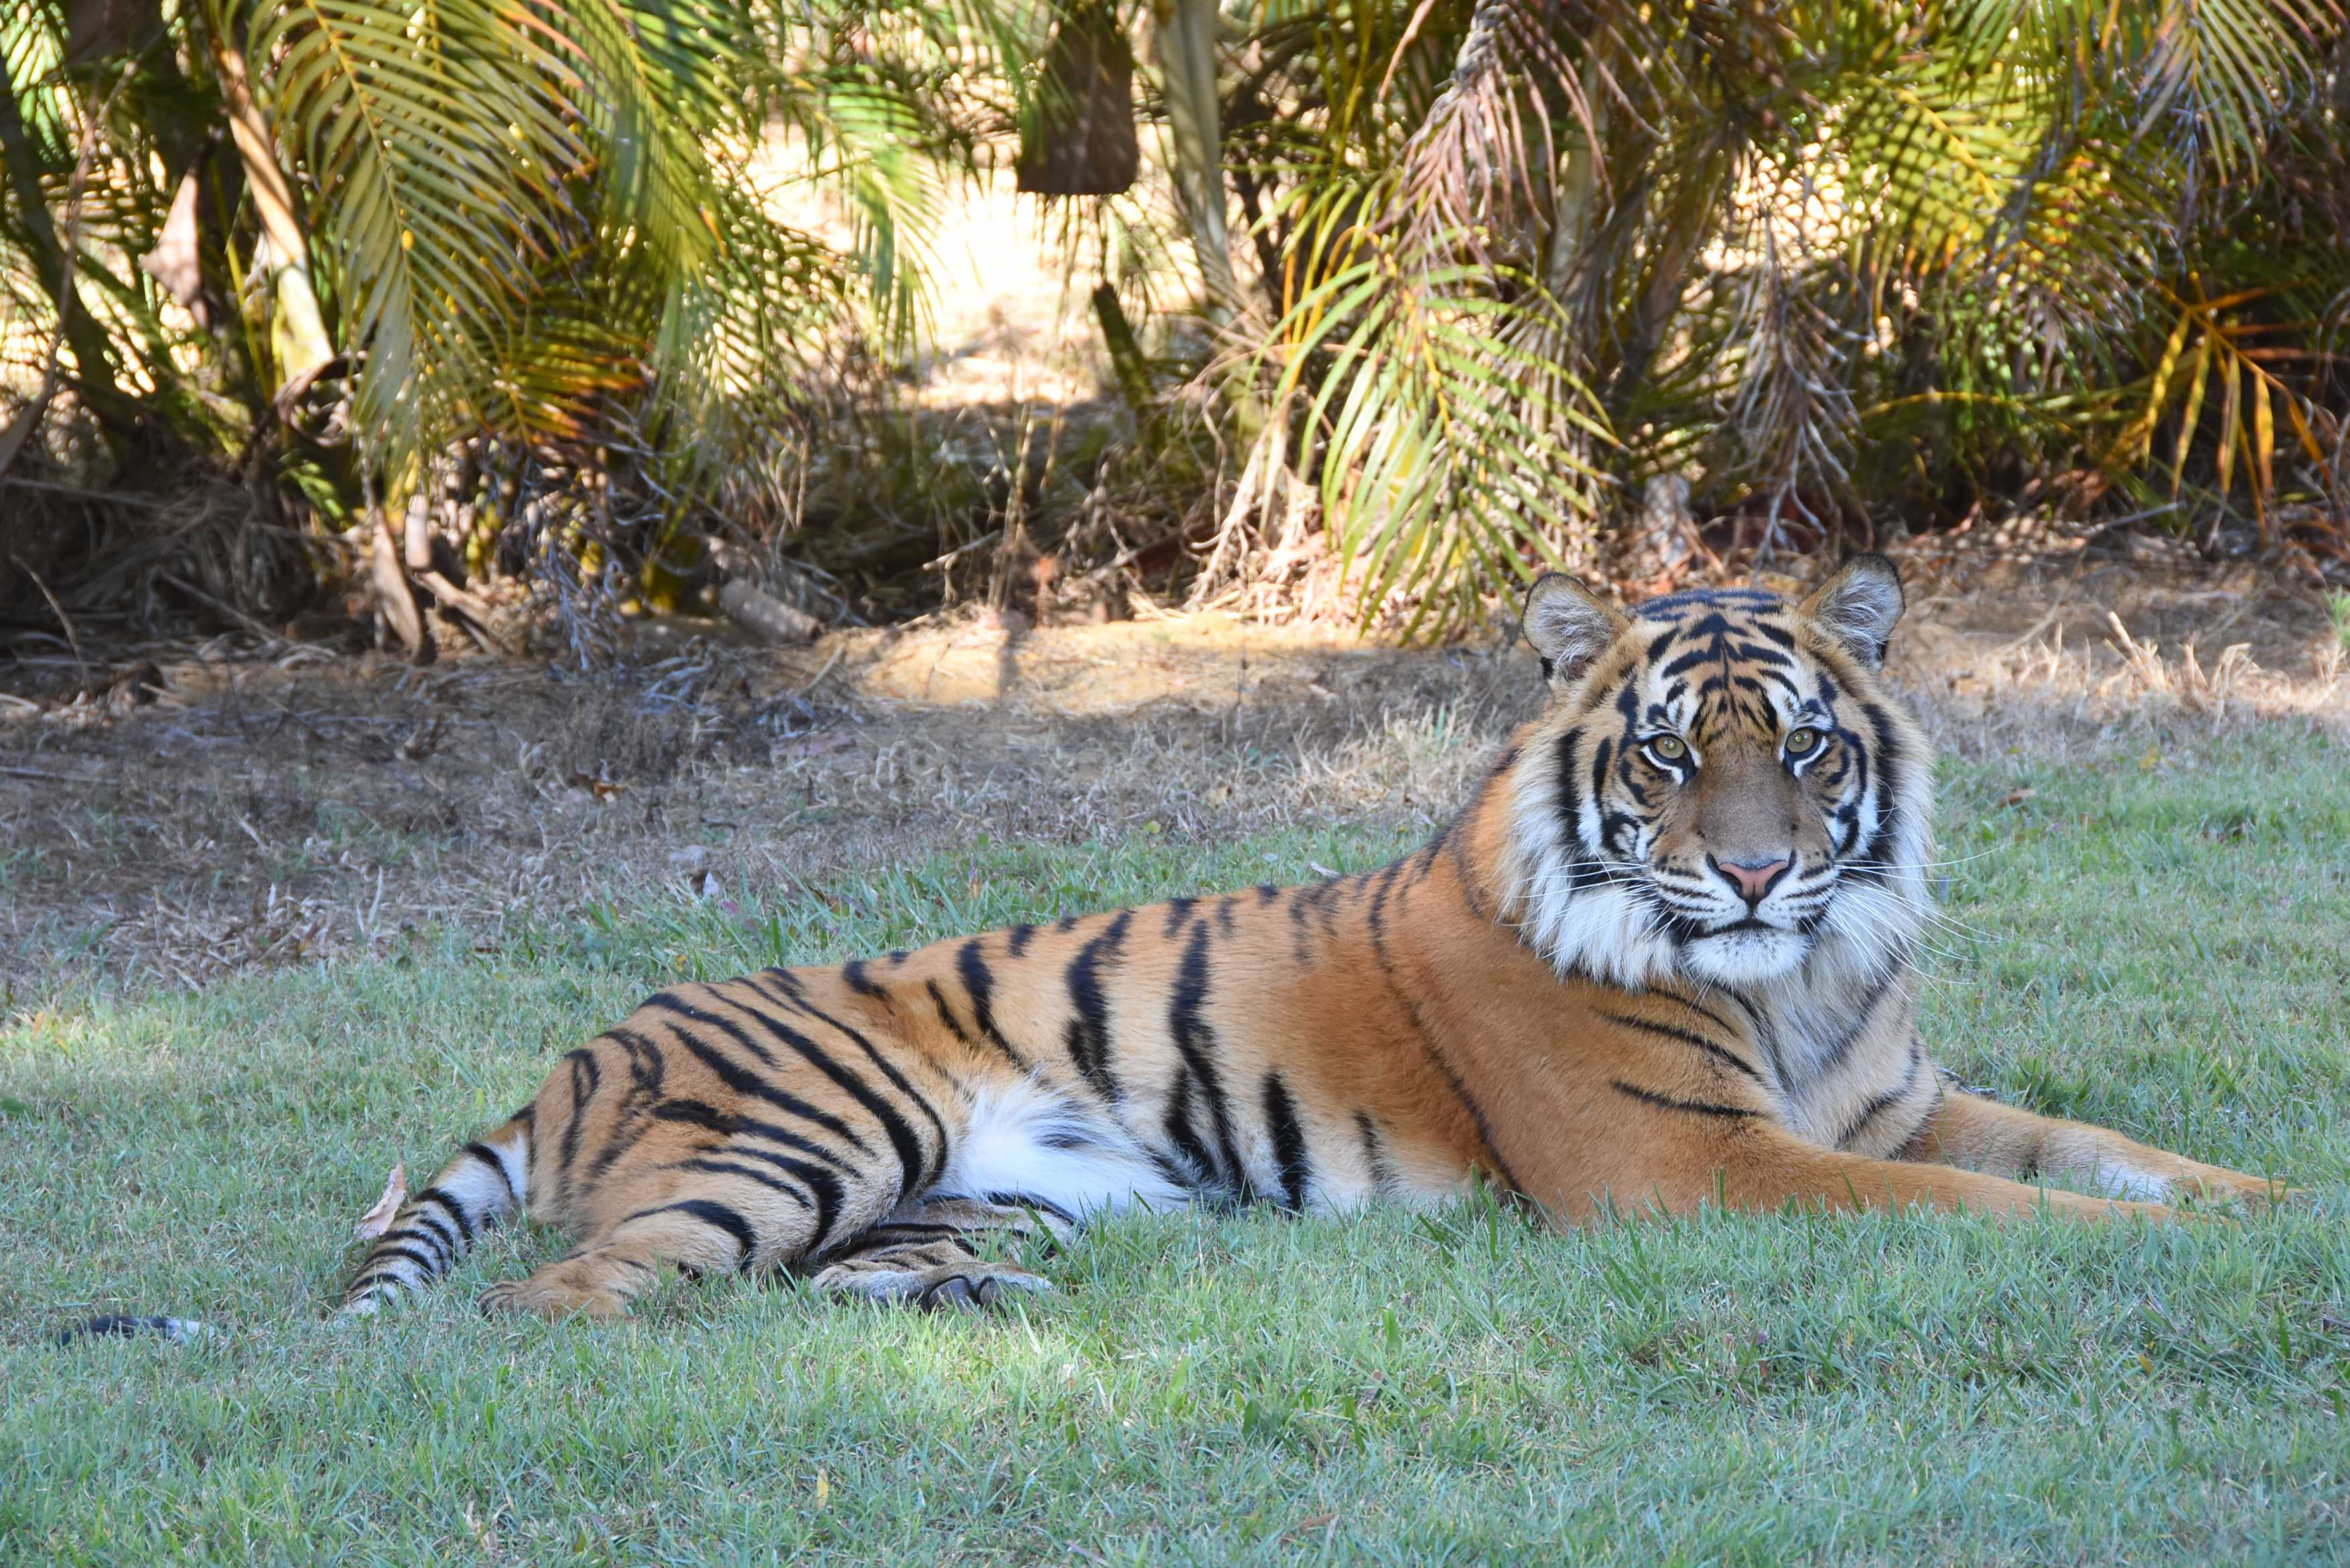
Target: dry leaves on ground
x: 377, y: 1219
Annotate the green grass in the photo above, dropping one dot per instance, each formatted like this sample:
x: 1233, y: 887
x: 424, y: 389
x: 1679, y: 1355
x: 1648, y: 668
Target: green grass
x: 2168, y: 952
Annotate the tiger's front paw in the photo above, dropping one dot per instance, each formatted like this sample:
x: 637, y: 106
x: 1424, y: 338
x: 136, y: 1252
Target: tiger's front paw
x: 2255, y: 1193
x: 2212, y: 1186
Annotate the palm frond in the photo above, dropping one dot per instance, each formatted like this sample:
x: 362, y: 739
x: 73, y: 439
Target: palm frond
x: 2214, y: 76
x: 435, y: 139
x: 665, y: 75
x: 1452, y: 460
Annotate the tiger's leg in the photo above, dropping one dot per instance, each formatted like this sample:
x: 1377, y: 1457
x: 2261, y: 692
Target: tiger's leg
x: 1983, y: 1135
x: 742, y: 1202
x: 925, y: 1254
x: 601, y: 1277
x: 1768, y: 1169
x: 1678, y: 1160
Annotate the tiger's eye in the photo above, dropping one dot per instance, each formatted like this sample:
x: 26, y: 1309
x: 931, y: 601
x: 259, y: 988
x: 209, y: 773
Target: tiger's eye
x: 1802, y: 741
x: 1670, y: 747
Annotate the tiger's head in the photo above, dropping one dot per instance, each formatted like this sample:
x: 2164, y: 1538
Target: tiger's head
x: 1721, y: 788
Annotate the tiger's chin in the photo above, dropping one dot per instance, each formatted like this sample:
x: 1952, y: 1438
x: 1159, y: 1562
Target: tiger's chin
x: 1744, y: 955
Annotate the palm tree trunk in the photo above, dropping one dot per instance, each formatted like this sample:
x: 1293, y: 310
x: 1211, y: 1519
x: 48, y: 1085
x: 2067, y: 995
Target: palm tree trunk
x: 1185, y: 42
x: 297, y: 329
x: 1571, y: 228
x: 1686, y: 227
x: 1185, y: 36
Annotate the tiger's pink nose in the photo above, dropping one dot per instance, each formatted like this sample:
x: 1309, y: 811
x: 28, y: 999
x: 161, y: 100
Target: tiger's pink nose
x: 1752, y: 879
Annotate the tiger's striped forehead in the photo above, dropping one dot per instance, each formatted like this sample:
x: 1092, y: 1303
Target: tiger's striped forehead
x: 1718, y: 661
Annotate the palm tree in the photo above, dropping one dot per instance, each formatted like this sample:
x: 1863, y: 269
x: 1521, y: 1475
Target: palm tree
x: 1832, y: 260
x: 1474, y: 269
x: 465, y: 232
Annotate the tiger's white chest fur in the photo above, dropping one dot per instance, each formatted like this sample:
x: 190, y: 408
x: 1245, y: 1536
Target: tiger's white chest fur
x: 1844, y: 1061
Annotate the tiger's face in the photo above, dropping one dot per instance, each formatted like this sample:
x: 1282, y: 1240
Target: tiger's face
x: 1721, y: 788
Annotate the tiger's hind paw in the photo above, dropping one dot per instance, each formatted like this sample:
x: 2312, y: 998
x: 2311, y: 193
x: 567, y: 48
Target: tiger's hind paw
x: 551, y: 1299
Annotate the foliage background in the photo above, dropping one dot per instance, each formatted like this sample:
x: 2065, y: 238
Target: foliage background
x: 1408, y: 300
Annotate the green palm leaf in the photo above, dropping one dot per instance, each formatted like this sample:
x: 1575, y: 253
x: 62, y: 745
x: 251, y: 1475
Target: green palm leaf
x: 436, y: 138
x: 1452, y: 460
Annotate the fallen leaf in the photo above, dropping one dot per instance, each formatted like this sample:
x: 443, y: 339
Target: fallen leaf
x: 704, y: 884
x: 2018, y: 797
x: 377, y: 1219
x: 2151, y: 760
x: 1316, y: 1521
x: 485, y: 1530
x: 417, y: 741
x: 1320, y: 870
x: 173, y: 263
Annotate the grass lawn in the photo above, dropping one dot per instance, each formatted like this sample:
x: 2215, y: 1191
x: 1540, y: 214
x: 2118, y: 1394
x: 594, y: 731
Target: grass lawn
x: 2165, y: 951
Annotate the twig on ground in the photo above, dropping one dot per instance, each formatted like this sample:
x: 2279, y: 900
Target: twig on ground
x: 805, y: 687
x: 131, y: 498
x: 234, y: 614
x: 11, y: 771
x: 57, y: 609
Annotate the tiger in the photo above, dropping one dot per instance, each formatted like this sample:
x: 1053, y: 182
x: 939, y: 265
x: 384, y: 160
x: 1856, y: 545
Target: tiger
x: 1665, y: 957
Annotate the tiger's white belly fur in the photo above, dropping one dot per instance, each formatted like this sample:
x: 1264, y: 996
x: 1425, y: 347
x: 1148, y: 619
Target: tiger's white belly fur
x: 1029, y: 1140
x: 1032, y: 1138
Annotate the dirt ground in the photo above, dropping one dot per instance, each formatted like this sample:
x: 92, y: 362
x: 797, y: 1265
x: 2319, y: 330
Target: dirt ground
x: 175, y: 813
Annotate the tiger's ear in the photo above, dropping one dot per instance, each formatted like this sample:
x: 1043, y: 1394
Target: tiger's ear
x: 1568, y: 625
x: 1859, y: 605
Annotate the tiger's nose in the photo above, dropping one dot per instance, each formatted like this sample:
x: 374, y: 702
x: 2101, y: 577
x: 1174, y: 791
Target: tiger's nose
x: 1752, y: 879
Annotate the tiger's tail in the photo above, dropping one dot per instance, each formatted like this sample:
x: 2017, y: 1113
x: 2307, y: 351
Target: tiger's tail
x: 433, y: 1230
